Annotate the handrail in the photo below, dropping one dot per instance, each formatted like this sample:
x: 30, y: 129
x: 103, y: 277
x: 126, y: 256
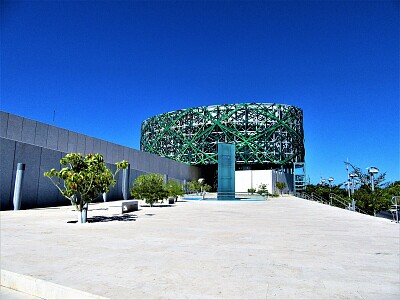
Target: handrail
x: 347, y: 204
x: 395, y: 209
x: 318, y: 198
x: 336, y: 198
x: 303, y: 195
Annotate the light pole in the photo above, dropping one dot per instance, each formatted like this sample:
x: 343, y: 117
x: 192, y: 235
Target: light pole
x: 201, y: 181
x: 353, y: 203
x: 352, y: 175
x: 330, y: 179
x: 372, y: 171
x: 323, y: 181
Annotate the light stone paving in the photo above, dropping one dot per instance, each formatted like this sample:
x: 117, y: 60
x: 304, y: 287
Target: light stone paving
x: 283, y: 248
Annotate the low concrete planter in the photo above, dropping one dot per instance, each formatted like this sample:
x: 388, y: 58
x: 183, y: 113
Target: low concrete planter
x: 128, y: 206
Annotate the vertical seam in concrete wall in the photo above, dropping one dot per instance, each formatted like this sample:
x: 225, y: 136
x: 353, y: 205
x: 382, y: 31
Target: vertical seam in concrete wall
x: 8, y: 117
x: 38, y: 180
x: 10, y: 199
x: 46, y: 143
x: 34, y: 137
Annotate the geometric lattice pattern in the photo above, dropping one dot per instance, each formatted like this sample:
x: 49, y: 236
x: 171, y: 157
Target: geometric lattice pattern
x: 262, y: 133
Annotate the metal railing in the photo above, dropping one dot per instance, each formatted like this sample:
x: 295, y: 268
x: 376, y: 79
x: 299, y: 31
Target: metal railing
x: 394, y: 209
x: 318, y: 198
x: 350, y: 205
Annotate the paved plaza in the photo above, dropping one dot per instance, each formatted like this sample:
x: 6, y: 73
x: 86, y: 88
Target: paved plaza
x: 283, y: 248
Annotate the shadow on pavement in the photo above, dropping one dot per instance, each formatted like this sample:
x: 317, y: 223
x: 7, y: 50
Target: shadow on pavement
x: 98, y: 219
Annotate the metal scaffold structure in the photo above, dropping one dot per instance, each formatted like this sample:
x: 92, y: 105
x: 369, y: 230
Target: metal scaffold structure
x: 266, y: 135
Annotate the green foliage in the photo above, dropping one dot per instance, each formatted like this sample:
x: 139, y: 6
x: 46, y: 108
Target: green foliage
x: 366, y: 200
x: 149, y: 187
x: 251, y: 191
x: 280, y: 186
x: 371, y: 202
x: 207, y: 188
x: 392, y: 189
x: 263, y: 190
x: 323, y: 190
x: 197, y: 187
x: 174, y: 189
x: 365, y: 178
x: 84, y: 178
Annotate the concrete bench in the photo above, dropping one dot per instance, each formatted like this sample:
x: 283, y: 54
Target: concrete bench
x: 128, y: 206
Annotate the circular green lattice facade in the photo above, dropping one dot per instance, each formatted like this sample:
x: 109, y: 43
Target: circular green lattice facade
x: 264, y: 134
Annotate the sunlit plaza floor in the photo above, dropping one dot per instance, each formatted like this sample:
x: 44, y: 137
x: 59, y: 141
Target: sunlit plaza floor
x: 283, y: 248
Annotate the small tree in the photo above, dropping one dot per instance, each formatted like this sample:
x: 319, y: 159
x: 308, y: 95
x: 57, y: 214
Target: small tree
x: 371, y: 202
x: 174, y: 189
x: 195, y: 186
x: 149, y: 187
x: 263, y: 190
x: 280, y: 186
x: 251, y: 191
x: 207, y: 188
x: 84, y: 178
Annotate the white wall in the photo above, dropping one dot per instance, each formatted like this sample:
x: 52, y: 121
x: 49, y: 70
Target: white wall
x: 253, y: 178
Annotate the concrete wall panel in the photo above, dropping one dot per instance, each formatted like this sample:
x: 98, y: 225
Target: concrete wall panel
x: 3, y: 123
x: 120, y: 152
x: 162, y: 165
x: 96, y: 146
x: 133, y: 159
x: 72, y: 141
x: 29, y: 155
x: 7, y: 151
x: 47, y: 192
x: 52, y: 137
x: 81, y: 144
x: 62, y: 144
x: 103, y: 148
x: 14, y: 127
x: 89, y: 145
x: 125, y: 154
x: 114, y: 153
x: 154, y: 165
x: 28, y: 131
x: 41, y: 134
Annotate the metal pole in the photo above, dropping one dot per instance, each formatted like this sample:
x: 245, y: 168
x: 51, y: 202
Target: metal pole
x: 19, y: 178
x: 125, y: 183
x: 348, y: 187
x: 372, y: 181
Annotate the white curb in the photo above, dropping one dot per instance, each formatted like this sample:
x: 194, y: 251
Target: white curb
x: 41, y: 288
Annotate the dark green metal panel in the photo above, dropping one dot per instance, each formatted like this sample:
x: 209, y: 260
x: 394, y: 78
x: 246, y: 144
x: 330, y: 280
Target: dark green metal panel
x: 262, y: 133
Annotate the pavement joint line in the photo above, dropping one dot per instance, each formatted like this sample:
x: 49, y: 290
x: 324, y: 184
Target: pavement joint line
x: 41, y: 288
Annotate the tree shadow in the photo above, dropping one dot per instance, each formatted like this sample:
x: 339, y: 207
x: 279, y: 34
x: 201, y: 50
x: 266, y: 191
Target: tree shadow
x: 119, y: 218
x: 102, y: 219
x: 158, y: 205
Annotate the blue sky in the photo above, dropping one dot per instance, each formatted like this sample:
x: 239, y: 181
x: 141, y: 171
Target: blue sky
x: 105, y: 66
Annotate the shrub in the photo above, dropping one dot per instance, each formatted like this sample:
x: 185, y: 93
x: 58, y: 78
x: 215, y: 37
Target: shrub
x: 149, y: 187
x: 280, y: 186
x: 174, y: 189
x: 251, y: 191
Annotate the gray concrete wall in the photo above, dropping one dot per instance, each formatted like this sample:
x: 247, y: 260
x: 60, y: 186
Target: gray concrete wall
x: 41, y: 146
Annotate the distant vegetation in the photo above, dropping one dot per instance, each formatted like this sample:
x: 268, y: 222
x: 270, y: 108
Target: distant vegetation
x: 367, y: 200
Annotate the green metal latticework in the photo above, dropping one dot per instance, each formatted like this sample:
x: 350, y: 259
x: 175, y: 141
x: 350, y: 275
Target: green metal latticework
x: 262, y: 133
